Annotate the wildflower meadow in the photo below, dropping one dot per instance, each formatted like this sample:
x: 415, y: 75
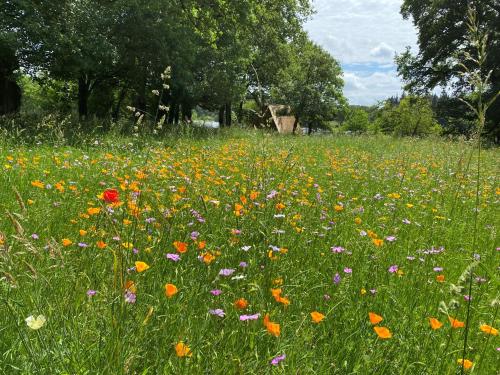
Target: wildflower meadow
x: 249, y: 254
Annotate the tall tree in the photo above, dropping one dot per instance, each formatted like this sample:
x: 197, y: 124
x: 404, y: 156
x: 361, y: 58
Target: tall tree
x: 312, y: 84
x: 442, y: 34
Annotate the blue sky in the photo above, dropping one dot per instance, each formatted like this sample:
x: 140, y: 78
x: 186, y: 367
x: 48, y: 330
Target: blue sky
x: 363, y: 35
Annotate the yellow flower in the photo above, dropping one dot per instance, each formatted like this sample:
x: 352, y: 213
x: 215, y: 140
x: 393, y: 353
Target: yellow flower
x: 35, y: 323
x: 182, y: 350
x: 93, y: 210
x: 465, y: 363
x: 37, y: 184
x: 489, y: 330
x: 141, y: 266
x: 82, y: 232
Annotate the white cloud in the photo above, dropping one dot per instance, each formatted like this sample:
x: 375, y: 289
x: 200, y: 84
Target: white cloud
x: 363, y: 33
x: 383, y: 53
x: 368, y: 90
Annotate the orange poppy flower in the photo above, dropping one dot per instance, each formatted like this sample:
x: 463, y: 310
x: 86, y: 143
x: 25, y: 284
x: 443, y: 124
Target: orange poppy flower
x: 272, y: 328
x: 181, y: 247
x: 317, y: 317
x: 377, y: 242
x: 66, y: 242
x: 435, y: 324
x: 277, y: 296
x: 440, y: 278
x: 241, y: 304
x: 456, y: 323
x: 182, y: 350
x: 465, y: 363
x: 170, y: 290
x: 141, y: 266
x: 383, y: 332
x: 130, y: 286
x: 374, y: 318
x: 101, y: 244
x: 489, y: 330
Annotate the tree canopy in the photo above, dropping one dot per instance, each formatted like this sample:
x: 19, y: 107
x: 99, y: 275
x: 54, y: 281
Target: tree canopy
x: 442, y: 36
x: 220, y: 52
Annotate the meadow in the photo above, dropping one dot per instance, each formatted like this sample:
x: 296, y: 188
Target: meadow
x: 249, y: 254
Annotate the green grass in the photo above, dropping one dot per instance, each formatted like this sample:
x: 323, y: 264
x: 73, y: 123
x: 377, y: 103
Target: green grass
x: 374, y: 179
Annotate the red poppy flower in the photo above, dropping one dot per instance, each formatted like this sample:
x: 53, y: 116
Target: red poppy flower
x: 110, y: 195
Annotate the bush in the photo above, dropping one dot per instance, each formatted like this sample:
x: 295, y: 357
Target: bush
x: 412, y: 117
x: 356, y: 121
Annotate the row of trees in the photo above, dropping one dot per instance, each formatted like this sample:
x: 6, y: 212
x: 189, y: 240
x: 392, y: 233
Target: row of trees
x: 106, y: 54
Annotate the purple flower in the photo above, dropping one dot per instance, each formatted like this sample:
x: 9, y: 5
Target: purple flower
x: 91, y: 292
x: 348, y: 270
x: 337, y: 249
x: 437, y: 269
x: 244, y: 318
x: 35, y: 236
x: 272, y: 194
x: 82, y: 244
x: 130, y: 297
x: 194, y: 235
x: 477, y: 256
x: 173, y: 257
x: 276, y: 360
x: 393, y: 269
x: 219, y: 312
x: 226, y: 272
x: 216, y: 292
x: 135, y: 251
x: 467, y: 298
x: 150, y: 220
x: 390, y: 238
x: 363, y: 233
x: 336, y: 279
x: 243, y: 264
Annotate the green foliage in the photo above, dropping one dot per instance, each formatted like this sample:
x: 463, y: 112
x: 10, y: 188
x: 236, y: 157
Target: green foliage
x: 357, y: 120
x: 413, y: 116
x: 442, y: 35
x: 311, y: 85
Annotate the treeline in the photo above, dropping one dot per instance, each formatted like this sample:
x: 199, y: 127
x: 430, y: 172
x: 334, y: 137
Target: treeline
x: 411, y: 115
x: 99, y: 56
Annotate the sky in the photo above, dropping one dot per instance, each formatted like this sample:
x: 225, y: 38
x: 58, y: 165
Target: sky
x: 364, y: 36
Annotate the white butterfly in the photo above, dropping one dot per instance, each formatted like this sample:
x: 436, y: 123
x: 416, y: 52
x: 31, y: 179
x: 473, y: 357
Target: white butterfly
x: 35, y: 323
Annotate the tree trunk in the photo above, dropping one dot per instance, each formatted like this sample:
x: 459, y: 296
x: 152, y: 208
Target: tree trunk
x: 295, y: 124
x: 187, y: 112
x: 240, y: 112
x: 176, y: 113
x: 229, y: 113
x: 221, y: 116
x: 116, y: 111
x: 83, y: 97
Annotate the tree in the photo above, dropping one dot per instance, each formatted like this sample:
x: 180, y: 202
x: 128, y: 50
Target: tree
x: 357, y: 120
x: 312, y: 84
x: 413, y: 116
x: 442, y: 34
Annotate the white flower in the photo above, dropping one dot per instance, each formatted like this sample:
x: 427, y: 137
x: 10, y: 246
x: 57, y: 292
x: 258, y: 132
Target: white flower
x: 35, y: 323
